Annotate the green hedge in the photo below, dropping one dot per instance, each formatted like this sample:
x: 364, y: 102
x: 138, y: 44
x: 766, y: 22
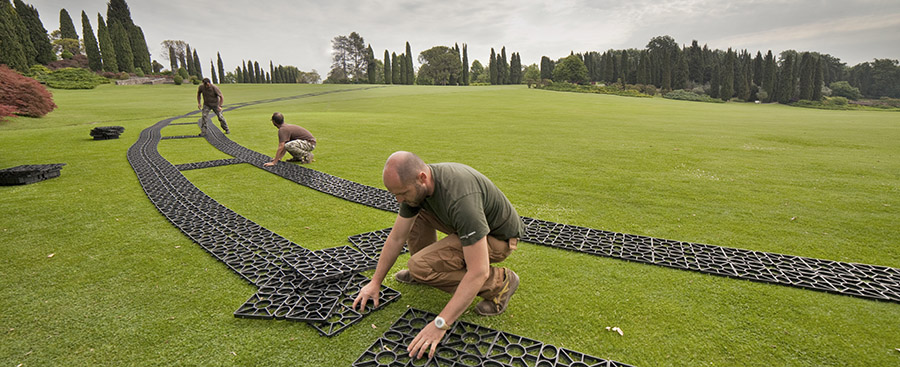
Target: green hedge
x: 72, y: 78
x: 569, y: 87
x: 683, y: 95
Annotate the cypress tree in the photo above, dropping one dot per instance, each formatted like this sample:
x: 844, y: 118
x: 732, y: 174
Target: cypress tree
x: 410, y: 72
x: 819, y: 81
x: 743, y: 79
x: 107, y: 50
x: 807, y: 73
x: 221, y: 68
x: 66, y: 27
x: 758, y: 69
x: 624, y: 70
x: 768, y: 78
x: 182, y: 62
x: 173, y: 60
x: 245, y: 78
x: 714, y: 81
x: 139, y: 48
x: 197, y: 67
x: 124, y: 57
x: 465, y: 65
x: 11, y: 53
x: 258, y: 76
x: 492, y: 66
x: 727, y: 76
x: 388, y: 74
x: 90, y: 44
x: 404, y: 75
x: 36, y: 32
x: 212, y: 72
x: 666, y: 75
x: 395, y: 69
x: 786, y: 80
x: 20, y: 32
x: 371, y: 65
x: 680, y: 77
x: 502, y: 67
x: 643, y: 71
x: 190, y: 60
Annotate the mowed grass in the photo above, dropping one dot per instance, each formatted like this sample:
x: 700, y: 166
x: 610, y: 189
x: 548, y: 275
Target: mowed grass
x: 125, y: 287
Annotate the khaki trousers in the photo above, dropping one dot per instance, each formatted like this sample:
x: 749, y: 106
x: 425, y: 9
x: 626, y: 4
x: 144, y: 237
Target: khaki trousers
x: 441, y: 264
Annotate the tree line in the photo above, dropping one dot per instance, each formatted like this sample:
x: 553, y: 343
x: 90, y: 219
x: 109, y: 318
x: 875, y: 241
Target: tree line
x: 118, y: 46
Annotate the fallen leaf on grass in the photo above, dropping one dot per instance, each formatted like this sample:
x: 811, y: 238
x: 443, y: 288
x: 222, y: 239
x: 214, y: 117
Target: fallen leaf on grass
x: 374, y: 327
x: 51, y: 255
x: 233, y: 353
x: 616, y: 329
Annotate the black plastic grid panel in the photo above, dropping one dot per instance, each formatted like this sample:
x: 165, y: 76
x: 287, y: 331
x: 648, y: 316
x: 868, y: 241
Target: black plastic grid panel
x: 107, y: 132
x: 468, y: 344
x: 208, y: 164
x: 371, y: 243
x: 861, y: 280
x: 29, y: 173
x: 181, y: 137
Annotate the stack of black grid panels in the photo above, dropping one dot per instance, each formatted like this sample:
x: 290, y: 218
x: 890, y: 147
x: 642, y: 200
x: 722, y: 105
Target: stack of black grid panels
x: 29, y: 173
x: 107, y: 132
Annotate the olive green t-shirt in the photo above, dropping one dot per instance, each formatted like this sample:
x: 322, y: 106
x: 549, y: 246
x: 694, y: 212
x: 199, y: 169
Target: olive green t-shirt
x: 469, y: 203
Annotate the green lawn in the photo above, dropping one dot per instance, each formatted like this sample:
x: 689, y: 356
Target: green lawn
x: 125, y: 287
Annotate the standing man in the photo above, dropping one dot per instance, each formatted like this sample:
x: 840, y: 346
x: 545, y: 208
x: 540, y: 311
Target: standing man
x: 212, y: 100
x: 482, y: 227
x: 294, y: 139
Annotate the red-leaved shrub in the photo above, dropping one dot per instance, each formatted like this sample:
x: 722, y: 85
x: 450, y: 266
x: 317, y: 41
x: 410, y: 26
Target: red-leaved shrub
x: 22, y: 95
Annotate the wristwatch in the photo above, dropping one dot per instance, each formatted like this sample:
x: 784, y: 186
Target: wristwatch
x: 440, y: 323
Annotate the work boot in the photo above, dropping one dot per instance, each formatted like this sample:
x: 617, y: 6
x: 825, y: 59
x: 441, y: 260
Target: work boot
x: 496, y: 306
x: 403, y: 276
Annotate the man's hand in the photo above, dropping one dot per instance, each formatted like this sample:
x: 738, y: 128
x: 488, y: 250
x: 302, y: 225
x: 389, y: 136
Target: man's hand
x: 269, y: 164
x: 370, y: 291
x: 427, y: 340
x: 219, y: 108
x: 199, y: 106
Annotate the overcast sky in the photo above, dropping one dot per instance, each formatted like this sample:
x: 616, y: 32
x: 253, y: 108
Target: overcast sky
x: 299, y: 33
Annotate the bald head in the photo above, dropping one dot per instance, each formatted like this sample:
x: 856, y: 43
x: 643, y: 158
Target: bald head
x: 403, y: 168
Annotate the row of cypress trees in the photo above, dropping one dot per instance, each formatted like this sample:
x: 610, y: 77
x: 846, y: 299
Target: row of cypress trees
x: 119, y: 44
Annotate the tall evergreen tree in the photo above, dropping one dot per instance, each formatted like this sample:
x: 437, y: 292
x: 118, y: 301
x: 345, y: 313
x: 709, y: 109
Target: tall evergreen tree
x: 502, y: 67
x: 212, y: 72
x: 388, y: 71
x: 139, y: 49
x: 221, y: 67
x: 786, y: 80
x: 66, y: 27
x: 758, y: 69
x: 36, y: 32
x: 714, y: 84
x: 197, y: 67
x: 245, y: 76
x: 173, y: 59
x: 465, y: 64
x: 546, y: 68
x: 107, y: 49
x: 120, y: 41
x: 807, y: 74
x: 271, y: 72
x: 742, y: 79
x: 680, y: 75
x: 727, y: 76
x: 493, y: 68
x: 371, y: 65
x: 410, y: 69
x: 190, y: 60
x: 624, y: 68
x: 11, y: 51
x: 258, y: 77
x: 644, y: 74
x: 769, y: 77
x: 819, y: 81
x: 395, y: 69
x: 95, y: 62
x: 117, y: 11
x: 20, y: 32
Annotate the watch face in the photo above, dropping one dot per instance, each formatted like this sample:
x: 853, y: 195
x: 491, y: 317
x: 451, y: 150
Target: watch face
x: 439, y: 322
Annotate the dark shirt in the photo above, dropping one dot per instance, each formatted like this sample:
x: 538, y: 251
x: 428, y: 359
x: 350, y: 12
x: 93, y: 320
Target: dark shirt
x: 288, y: 132
x: 469, y: 203
x: 210, y: 95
